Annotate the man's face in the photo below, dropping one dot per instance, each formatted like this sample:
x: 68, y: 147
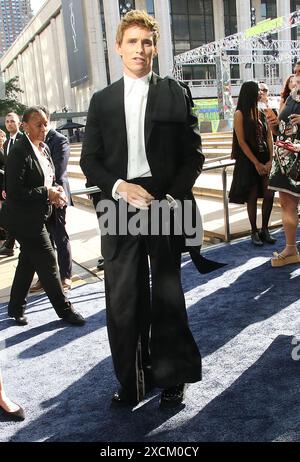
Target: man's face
x: 297, y: 69
x: 12, y: 123
x: 36, y: 127
x: 137, y: 51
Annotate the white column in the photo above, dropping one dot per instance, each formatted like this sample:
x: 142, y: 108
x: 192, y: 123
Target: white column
x: 259, y: 68
x: 243, y: 23
x: 60, y: 99
x: 141, y: 5
x: 112, y: 19
x: 283, y: 9
x: 97, y: 79
x: 36, y: 99
x: 165, y: 53
x: 40, y: 65
x: 218, y: 6
x: 69, y: 99
x: 21, y: 74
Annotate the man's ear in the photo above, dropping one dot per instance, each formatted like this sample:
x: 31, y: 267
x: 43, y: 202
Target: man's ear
x: 118, y: 49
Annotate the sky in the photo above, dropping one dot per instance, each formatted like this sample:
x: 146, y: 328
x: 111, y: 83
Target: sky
x: 36, y: 4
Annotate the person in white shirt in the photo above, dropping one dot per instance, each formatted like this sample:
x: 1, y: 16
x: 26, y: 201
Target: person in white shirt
x: 142, y: 146
x: 31, y: 193
x: 12, y: 125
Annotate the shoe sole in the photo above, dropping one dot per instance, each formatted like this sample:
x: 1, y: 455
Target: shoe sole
x: 277, y: 262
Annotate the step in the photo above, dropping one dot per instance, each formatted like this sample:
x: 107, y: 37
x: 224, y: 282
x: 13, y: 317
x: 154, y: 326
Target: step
x: 212, y: 213
x: 208, y: 194
x: 216, y: 143
x: 216, y: 136
x: 74, y: 171
x: 216, y: 152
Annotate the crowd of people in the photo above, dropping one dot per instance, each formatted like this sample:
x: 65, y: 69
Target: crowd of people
x: 141, y: 145
x: 266, y: 144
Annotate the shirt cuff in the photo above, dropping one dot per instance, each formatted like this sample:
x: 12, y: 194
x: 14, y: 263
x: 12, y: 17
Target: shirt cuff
x: 114, y: 194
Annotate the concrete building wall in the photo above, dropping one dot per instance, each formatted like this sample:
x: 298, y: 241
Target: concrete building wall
x: 39, y: 55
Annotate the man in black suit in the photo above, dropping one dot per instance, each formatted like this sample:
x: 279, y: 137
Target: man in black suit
x: 142, y: 147
x: 60, y: 152
x: 2, y: 164
x: 12, y: 124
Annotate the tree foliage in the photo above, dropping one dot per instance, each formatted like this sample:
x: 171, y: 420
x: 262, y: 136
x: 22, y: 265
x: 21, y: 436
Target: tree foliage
x: 10, y: 102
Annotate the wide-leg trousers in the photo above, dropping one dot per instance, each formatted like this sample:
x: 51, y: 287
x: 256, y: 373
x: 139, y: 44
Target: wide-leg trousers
x: 147, y: 323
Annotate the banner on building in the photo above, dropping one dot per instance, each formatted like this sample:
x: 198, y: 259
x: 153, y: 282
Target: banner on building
x: 75, y: 40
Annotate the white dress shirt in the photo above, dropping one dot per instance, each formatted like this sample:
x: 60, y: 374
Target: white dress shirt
x: 135, y: 101
x: 45, y: 164
x: 11, y: 140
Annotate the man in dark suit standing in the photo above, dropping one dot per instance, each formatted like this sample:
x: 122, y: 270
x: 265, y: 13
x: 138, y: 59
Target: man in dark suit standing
x: 12, y: 124
x: 2, y: 164
x: 142, y: 147
x: 60, y: 152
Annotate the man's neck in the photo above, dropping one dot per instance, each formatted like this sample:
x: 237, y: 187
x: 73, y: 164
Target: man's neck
x: 135, y: 77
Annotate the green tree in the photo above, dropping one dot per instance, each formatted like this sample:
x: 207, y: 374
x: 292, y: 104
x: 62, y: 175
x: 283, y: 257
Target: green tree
x: 10, y: 101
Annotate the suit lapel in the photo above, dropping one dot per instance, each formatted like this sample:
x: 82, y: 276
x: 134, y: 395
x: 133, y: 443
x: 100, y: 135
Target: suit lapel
x: 5, y: 145
x: 33, y: 156
x: 116, y: 119
x: 152, y: 95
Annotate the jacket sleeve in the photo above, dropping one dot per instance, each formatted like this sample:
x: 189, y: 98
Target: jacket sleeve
x: 2, y: 160
x: 15, y: 179
x: 60, y: 154
x: 93, y: 152
x: 192, y: 157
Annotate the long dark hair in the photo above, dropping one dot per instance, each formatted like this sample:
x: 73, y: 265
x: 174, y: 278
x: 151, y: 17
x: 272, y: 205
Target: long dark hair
x: 286, y: 89
x: 248, y: 98
x: 247, y: 104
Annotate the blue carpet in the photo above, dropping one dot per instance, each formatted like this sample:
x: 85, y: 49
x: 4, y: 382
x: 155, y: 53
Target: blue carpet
x: 245, y: 318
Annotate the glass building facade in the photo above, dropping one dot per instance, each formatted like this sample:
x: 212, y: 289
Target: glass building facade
x: 192, y: 25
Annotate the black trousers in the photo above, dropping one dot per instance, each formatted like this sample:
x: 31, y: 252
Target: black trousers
x: 61, y: 240
x: 147, y: 323
x: 37, y: 255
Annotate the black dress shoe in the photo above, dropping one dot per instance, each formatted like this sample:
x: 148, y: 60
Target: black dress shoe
x: 16, y: 415
x: 255, y: 239
x: 173, y: 396
x: 121, y: 398
x: 21, y: 320
x: 73, y: 317
x: 100, y: 265
x: 5, y: 252
x: 265, y: 236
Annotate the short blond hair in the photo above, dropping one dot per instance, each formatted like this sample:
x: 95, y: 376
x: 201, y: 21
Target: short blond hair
x: 137, y: 18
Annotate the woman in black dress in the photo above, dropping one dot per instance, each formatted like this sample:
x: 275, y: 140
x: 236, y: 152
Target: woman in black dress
x: 253, y: 150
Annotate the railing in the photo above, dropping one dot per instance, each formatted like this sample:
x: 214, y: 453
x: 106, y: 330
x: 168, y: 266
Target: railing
x: 214, y: 165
